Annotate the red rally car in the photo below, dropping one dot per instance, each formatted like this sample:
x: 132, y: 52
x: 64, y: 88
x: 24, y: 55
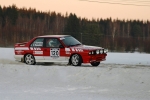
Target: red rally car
x: 58, y: 48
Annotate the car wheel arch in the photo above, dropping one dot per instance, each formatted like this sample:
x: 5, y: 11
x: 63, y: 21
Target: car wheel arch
x: 27, y: 54
x: 74, y: 54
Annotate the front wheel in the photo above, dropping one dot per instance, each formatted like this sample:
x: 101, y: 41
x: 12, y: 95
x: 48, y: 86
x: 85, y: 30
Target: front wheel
x: 95, y: 63
x: 76, y: 60
x: 29, y: 59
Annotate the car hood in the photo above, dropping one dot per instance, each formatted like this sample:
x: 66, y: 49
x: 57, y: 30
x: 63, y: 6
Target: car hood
x: 87, y: 47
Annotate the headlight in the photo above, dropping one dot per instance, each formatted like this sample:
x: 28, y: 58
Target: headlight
x: 97, y: 51
x: 101, y: 51
x: 105, y: 50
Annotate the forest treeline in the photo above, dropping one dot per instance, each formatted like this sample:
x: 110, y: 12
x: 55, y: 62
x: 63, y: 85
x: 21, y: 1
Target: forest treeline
x: 22, y: 24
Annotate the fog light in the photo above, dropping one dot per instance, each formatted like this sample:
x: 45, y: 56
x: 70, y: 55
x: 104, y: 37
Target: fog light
x: 101, y: 51
x: 92, y: 52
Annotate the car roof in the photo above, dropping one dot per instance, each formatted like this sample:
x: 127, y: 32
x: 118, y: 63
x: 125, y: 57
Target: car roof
x: 58, y: 36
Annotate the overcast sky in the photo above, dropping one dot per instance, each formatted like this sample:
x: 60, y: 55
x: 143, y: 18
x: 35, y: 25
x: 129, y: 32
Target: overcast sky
x: 89, y: 10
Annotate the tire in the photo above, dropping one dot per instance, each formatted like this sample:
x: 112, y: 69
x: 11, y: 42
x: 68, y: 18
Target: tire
x: 29, y: 59
x: 95, y: 63
x: 76, y: 60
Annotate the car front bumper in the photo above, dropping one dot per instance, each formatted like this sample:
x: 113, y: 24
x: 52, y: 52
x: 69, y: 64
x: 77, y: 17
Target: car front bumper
x: 94, y: 58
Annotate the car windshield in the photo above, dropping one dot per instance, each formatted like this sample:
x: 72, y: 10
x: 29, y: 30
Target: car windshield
x: 70, y: 41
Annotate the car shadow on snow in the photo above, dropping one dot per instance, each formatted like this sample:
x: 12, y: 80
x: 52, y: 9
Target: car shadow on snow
x: 64, y: 64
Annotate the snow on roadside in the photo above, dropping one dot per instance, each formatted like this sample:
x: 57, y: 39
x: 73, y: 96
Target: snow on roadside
x: 7, y: 56
x: 7, y: 53
x: 128, y: 58
x: 44, y: 82
x: 123, y: 76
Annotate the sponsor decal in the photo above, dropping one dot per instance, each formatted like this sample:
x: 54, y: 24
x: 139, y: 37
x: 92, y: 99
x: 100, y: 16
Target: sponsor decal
x: 21, y: 48
x: 38, y: 44
x: 34, y: 48
x: 67, y: 49
x: 73, y: 49
x: 37, y: 52
x: 54, y: 52
x: 68, y: 52
x: 77, y: 50
x: 19, y: 51
x: 80, y: 50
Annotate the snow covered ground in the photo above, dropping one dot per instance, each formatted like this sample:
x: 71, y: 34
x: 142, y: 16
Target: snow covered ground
x: 123, y: 76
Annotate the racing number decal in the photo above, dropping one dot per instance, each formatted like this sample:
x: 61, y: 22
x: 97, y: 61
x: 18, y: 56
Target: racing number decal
x: 54, y: 52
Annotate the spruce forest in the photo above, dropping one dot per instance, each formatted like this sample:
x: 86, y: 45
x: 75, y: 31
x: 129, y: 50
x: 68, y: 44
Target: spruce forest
x: 22, y: 24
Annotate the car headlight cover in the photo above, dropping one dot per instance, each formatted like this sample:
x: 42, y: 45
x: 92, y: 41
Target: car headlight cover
x: 97, y: 51
x: 101, y: 51
x: 105, y: 50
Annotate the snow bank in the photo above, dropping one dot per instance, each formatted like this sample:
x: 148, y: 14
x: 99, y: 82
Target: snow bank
x: 128, y: 58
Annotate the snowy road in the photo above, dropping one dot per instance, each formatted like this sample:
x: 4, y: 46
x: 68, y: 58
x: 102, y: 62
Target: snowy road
x: 123, y: 77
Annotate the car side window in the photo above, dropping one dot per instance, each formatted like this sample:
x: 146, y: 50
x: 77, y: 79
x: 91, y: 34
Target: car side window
x: 52, y: 43
x: 37, y: 43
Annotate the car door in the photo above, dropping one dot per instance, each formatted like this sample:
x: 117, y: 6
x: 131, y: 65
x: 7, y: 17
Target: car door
x: 54, y: 51
x: 37, y: 47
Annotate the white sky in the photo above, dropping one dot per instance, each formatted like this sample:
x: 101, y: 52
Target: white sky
x: 87, y: 9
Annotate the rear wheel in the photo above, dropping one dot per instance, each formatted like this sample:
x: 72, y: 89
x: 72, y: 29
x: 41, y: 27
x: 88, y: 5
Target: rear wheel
x: 76, y: 60
x: 95, y: 63
x: 29, y: 59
